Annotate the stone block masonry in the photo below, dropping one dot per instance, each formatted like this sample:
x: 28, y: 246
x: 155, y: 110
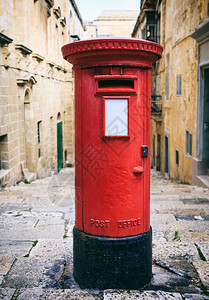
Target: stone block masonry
x: 36, y: 88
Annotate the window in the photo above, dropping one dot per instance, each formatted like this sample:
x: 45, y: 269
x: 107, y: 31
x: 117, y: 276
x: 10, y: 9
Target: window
x: 3, y: 152
x: 158, y: 152
x: 167, y: 77
x: 116, y: 117
x: 166, y: 166
x: 188, y: 143
x: 57, y: 40
x: 151, y: 32
x: 65, y: 155
x: 38, y: 131
x: 178, y: 85
x: 39, y: 137
x: 177, y: 157
x: 150, y: 25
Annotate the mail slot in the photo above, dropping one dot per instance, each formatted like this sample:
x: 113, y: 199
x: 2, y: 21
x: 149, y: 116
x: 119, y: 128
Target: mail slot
x: 112, y: 233
x: 116, y: 83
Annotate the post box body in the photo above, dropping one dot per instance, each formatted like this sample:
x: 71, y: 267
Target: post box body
x: 112, y: 139
x: 112, y: 200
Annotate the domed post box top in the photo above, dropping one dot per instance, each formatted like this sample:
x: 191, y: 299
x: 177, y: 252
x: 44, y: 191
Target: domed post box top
x: 128, y: 51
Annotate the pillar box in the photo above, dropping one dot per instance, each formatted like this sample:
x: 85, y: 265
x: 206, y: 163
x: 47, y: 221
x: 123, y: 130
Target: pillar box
x: 112, y: 233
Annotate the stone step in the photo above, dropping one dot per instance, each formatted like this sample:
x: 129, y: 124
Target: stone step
x: 30, y: 176
x: 204, y: 179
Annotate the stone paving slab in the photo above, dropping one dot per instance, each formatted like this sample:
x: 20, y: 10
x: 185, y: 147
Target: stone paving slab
x: 163, y: 197
x: 13, y: 219
x: 163, y: 218
x: 133, y: 295
x: 52, y: 221
x: 32, y: 272
x: 53, y: 248
x: 31, y: 233
x: 51, y: 209
x: 11, y: 199
x: 195, y: 199
x: 6, y: 294
x: 15, y: 248
x: 158, y: 236
x: 194, y: 225
x: 39, y: 294
x: 204, y: 247
x: 167, y: 204
x: 175, y: 275
x: 14, y: 207
x: 202, y: 268
x: 6, y: 261
x: 166, y: 250
x: 183, y: 211
x: 188, y: 236
x: 195, y: 297
x: 39, y: 201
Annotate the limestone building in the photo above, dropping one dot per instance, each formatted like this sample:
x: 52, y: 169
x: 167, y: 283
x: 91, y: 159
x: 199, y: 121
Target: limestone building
x: 180, y: 86
x: 112, y: 23
x: 36, y: 101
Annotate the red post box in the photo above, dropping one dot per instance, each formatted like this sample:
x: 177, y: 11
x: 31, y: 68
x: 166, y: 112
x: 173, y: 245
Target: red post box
x: 112, y: 233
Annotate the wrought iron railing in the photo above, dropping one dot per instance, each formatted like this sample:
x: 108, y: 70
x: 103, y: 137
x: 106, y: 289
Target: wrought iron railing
x: 141, y: 3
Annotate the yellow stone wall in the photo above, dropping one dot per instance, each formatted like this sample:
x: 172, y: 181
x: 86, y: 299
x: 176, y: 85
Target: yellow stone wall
x: 179, y: 113
x: 36, y: 86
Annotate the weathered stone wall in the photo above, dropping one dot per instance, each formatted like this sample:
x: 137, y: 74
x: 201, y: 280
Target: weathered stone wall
x: 180, y: 111
x: 36, y: 87
x: 180, y: 58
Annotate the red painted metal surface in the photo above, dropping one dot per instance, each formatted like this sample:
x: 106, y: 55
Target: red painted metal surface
x: 112, y: 177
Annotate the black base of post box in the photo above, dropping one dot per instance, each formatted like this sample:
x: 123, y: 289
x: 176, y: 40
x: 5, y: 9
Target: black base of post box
x: 104, y: 263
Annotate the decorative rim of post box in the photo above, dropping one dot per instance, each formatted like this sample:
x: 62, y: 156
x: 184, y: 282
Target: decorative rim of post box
x: 96, y: 50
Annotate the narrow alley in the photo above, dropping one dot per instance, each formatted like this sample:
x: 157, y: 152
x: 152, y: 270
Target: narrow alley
x: 36, y: 245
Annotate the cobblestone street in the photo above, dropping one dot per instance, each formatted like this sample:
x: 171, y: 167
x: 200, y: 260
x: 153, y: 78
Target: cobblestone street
x: 36, y: 242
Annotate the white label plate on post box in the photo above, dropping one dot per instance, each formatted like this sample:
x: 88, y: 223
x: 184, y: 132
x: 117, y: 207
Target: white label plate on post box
x: 116, y: 117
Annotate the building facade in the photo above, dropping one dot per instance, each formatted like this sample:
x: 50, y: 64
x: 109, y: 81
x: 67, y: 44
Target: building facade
x: 112, y: 23
x: 36, y: 98
x: 179, y: 86
x: 200, y: 164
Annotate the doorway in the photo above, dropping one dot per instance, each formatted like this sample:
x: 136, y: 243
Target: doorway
x: 153, y: 152
x: 59, y: 146
x: 166, y: 156
x: 206, y: 115
x: 158, y: 151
